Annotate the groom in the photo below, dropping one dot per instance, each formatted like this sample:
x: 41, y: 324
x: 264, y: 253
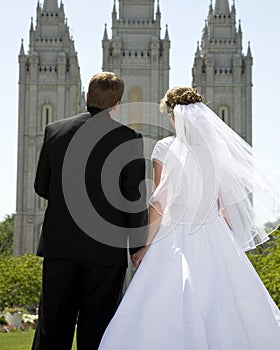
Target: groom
x: 82, y: 276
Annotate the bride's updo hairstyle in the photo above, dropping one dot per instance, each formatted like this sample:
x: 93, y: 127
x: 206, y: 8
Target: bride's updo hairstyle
x: 179, y: 95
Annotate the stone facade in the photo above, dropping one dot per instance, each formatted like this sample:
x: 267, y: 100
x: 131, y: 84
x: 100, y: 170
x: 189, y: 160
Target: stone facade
x: 222, y: 73
x: 49, y: 90
x: 140, y: 56
x: 136, y: 51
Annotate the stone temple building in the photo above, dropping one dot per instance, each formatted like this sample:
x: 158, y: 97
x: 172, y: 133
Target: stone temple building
x: 136, y: 51
x: 49, y: 89
x: 221, y: 72
x: 50, y: 84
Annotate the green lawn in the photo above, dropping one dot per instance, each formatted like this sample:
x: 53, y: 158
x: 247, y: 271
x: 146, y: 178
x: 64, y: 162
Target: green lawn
x: 19, y: 341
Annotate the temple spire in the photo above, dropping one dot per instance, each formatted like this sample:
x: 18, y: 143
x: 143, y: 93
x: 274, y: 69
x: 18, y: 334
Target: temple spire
x: 239, y: 27
x: 50, y: 5
x: 197, y: 54
x: 114, y: 12
x: 114, y: 8
x: 158, y: 8
x: 137, y: 9
x: 105, y: 35
x: 31, y: 25
x: 249, y: 52
x: 166, y: 37
x: 21, y: 52
x: 222, y: 7
x: 158, y: 14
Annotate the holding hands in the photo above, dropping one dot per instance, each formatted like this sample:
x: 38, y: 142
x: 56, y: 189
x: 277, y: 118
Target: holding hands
x: 154, y: 224
x: 137, y: 257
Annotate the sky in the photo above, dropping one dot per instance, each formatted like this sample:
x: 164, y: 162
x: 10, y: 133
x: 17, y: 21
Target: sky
x: 185, y: 19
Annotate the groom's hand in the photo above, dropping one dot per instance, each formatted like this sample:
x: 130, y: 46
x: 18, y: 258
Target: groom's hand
x: 134, y: 260
x: 138, y: 257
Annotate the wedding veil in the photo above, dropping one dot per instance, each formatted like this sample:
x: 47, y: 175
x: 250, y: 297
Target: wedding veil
x: 208, y: 163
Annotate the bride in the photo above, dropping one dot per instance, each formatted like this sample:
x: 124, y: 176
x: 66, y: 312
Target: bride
x: 195, y: 288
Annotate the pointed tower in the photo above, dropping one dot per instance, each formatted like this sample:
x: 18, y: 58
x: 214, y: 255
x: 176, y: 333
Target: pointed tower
x: 222, y: 7
x: 49, y: 90
x: 136, y: 51
x: 221, y: 71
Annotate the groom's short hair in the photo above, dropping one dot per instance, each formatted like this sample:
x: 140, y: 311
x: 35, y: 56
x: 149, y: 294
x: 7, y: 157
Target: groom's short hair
x: 105, y: 90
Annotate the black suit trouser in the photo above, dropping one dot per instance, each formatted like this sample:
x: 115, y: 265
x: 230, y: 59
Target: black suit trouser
x: 76, y: 294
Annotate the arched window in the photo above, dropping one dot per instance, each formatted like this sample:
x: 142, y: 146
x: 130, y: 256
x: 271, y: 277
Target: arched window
x: 135, y: 97
x: 224, y: 114
x: 47, y: 115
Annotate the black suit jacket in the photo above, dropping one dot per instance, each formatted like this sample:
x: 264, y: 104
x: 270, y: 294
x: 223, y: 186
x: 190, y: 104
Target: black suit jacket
x: 62, y: 236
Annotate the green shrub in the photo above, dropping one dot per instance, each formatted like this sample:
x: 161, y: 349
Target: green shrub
x: 3, y: 321
x: 6, y: 235
x: 266, y: 260
x: 20, y: 280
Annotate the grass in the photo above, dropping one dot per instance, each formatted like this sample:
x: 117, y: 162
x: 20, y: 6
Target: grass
x: 16, y: 340
x: 19, y: 340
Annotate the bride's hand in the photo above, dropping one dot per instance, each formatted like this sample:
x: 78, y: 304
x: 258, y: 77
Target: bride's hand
x: 138, y: 256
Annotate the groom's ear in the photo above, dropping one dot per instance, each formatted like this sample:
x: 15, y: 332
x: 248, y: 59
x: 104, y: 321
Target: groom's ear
x: 117, y: 105
x: 114, y: 109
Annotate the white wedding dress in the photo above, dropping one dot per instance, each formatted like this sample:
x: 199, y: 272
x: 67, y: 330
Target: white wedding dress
x: 195, y: 292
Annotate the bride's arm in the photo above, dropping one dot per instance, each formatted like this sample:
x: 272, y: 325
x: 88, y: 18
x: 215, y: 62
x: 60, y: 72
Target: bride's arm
x: 157, y: 166
x: 223, y: 213
x: 155, y: 209
x: 154, y: 224
x: 154, y: 217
